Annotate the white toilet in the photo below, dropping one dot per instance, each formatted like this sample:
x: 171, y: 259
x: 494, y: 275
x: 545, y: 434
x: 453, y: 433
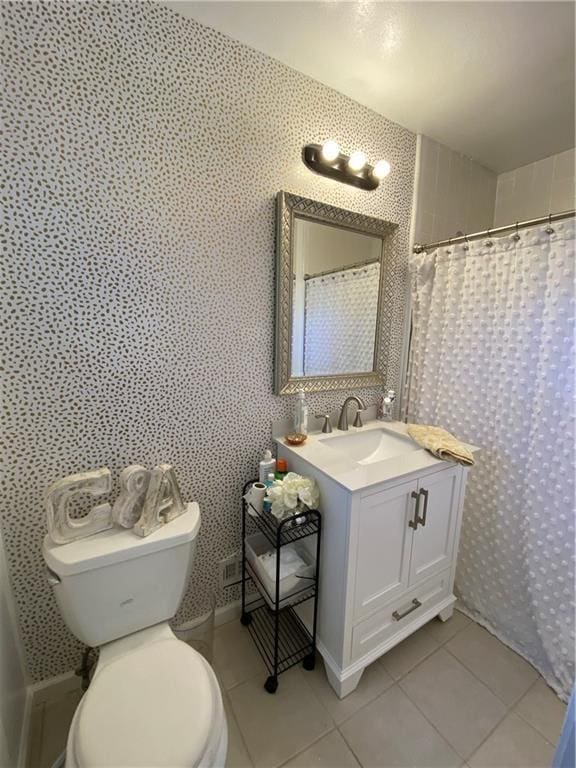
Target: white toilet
x: 153, y: 700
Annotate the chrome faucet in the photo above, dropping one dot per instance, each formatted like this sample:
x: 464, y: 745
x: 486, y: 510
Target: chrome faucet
x: 343, y: 420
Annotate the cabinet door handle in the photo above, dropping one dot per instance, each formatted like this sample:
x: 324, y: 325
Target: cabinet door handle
x: 422, y: 520
x: 414, y: 523
x: 415, y: 604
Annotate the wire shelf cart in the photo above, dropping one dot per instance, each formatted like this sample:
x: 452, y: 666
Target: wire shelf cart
x: 278, y: 632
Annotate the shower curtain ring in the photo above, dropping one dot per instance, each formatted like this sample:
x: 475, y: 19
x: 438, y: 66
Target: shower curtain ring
x: 489, y: 241
x: 466, y: 243
x: 549, y: 228
x: 516, y: 236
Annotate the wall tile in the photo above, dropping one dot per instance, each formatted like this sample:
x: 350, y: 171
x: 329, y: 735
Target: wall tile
x: 534, y: 190
x: 564, y: 164
x: 457, y: 192
x: 562, y: 197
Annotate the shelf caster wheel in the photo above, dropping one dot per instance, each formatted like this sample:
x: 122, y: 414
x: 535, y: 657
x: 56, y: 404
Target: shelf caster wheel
x: 271, y: 684
x: 245, y: 619
x: 309, y: 662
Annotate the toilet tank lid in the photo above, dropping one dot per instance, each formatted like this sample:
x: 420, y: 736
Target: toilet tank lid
x: 119, y: 544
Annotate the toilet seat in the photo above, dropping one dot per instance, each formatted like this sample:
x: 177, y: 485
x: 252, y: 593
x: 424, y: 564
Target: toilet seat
x: 156, y: 704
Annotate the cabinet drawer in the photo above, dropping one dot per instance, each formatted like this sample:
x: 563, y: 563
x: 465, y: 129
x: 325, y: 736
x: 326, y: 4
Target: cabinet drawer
x: 378, y: 629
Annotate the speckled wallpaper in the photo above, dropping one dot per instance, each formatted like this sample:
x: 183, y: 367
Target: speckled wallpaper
x: 143, y: 153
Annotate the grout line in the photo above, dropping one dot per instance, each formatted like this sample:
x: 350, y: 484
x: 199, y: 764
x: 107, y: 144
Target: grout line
x: 521, y: 716
x: 509, y: 707
x: 308, y: 747
x: 444, y: 738
x: 350, y: 745
x: 230, y: 710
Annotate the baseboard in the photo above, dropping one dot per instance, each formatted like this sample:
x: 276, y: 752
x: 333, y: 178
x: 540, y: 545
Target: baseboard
x: 227, y: 613
x: 25, y: 732
x: 54, y: 688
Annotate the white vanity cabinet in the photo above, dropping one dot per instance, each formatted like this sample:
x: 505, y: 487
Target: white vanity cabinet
x: 387, y: 562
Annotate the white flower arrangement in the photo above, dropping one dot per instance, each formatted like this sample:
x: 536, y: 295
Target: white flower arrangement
x: 289, y: 494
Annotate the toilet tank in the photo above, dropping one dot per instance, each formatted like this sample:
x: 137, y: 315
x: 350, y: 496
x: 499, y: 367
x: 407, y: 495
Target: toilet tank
x: 115, y: 583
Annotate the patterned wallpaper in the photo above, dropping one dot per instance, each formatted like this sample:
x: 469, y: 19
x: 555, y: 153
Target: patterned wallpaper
x: 144, y: 155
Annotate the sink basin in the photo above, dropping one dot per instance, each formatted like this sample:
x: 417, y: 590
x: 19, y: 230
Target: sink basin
x: 371, y: 446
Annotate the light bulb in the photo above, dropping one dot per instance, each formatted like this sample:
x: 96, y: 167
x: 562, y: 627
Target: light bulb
x: 330, y: 150
x: 357, y: 161
x: 381, y: 169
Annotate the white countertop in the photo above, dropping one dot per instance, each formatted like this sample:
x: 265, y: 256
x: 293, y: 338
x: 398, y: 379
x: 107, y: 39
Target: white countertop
x: 354, y: 476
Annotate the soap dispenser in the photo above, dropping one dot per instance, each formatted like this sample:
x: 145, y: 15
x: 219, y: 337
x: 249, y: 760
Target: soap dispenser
x: 301, y: 414
x: 386, y: 408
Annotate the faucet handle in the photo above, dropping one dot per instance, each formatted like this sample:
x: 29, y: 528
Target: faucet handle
x: 326, y: 427
x: 358, y: 419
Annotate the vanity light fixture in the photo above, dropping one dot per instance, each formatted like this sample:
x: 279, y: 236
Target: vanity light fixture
x: 327, y: 160
x: 357, y: 161
x: 330, y: 150
x: 381, y: 169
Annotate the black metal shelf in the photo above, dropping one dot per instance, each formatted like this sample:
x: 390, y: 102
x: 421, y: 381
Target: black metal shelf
x: 288, y: 530
x: 307, y: 591
x: 295, y: 643
x: 278, y: 633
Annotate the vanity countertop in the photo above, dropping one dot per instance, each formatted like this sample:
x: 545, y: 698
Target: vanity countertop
x: 329, y: 454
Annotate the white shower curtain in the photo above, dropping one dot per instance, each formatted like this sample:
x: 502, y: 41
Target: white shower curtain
x: 340, y: 321
x: 492, y: 360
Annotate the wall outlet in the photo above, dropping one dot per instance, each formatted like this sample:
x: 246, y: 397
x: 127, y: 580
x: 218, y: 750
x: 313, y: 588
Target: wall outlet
x: 231, y: 570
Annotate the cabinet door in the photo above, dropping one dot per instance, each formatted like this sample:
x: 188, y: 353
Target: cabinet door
x: 433, y: 546
x: 384, y: 543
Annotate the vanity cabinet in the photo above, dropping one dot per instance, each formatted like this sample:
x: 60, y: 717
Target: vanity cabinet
x: 405, y: 534
x: 388, y: 562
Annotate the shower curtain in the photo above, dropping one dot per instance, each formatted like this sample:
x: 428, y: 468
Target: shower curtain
x: 492, y: 360
x: 340, y: 321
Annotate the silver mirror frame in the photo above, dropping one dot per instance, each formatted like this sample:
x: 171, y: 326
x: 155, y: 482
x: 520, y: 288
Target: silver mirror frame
x: 288, y: 206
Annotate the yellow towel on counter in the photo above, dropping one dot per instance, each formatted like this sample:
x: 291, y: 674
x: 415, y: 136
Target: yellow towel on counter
x: 440, y: 443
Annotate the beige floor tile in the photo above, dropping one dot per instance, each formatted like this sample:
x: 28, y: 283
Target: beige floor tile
x: 279, y: 726
x: 57, y: 718
x: 237, y: 756
x: 514, y: 744
x: 392, y: 732
x: 330, y: 751
x: 542, y: 708
x: 235, y: 656
x: 35, y: 736
x: 442, y: 631
x: 503, y: 671
x: 407, y: 654
x: 375, y: 681
x: 462, y: 709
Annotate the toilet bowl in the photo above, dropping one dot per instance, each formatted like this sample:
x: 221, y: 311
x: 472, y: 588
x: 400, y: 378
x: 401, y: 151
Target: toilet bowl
x: 153, y: 700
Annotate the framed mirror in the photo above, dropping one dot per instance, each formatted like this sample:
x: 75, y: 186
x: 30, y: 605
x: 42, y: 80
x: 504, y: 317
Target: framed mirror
x: 332, y: 313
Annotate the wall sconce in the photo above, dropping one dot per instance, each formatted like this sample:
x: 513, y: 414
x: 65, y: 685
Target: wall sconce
x: 327, y: 160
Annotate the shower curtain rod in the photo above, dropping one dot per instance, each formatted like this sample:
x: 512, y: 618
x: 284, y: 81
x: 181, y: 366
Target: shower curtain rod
x: 346, y: 267
x: 418, y: 247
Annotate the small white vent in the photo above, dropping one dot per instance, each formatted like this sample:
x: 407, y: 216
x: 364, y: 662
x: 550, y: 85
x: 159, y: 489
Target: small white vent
x: 230, y: 570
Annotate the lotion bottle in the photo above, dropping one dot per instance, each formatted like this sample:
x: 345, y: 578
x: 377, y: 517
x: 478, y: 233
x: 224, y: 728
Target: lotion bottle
x: 267, y: 466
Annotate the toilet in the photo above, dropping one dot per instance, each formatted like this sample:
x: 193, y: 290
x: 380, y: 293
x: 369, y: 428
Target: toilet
x: 153, y: 700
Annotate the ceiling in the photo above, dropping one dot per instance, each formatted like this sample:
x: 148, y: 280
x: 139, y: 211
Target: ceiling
x: 493, y: 80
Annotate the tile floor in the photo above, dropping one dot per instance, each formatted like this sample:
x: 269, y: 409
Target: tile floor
x: 450, y: 695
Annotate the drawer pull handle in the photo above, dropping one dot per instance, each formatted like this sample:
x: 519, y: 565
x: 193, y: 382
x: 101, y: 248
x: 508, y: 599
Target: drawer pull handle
x: 415, y: 604
x: 414, y: 523
x: 422, y: 520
